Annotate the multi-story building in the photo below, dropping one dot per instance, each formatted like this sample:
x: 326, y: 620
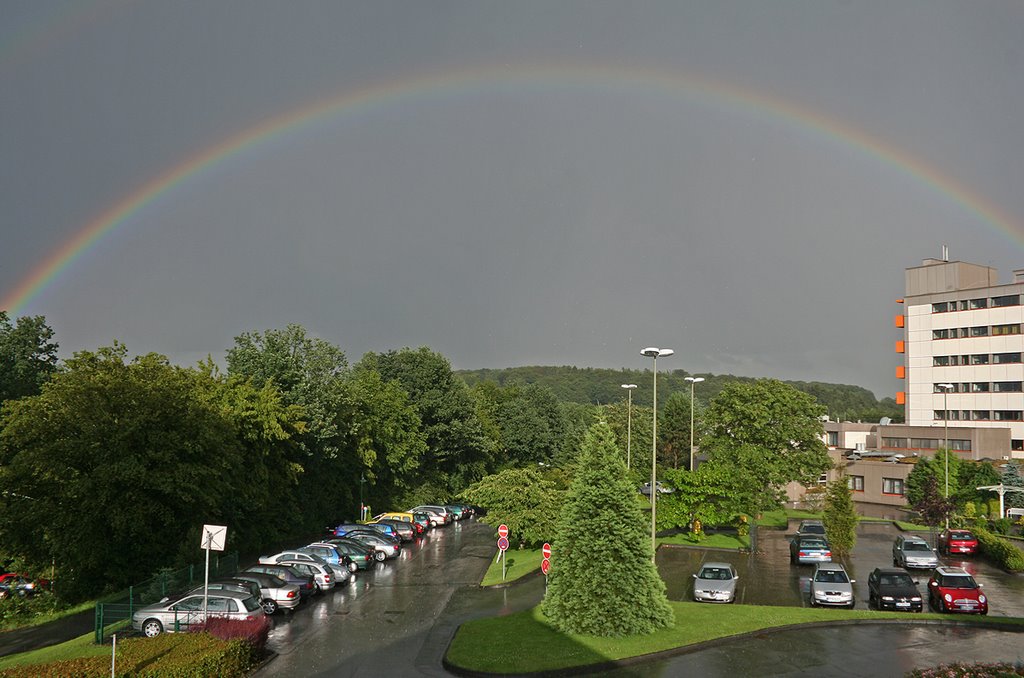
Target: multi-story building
x: 963, y: 348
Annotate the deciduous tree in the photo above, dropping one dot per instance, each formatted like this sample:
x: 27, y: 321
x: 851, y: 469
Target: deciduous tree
x: 840, y: 517
x: 28, y: 356
x: 524, y: 499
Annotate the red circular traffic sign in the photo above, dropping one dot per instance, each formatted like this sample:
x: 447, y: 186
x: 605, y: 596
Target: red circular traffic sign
x: 546, y: 550
x: 503, y: 543
x: 503, y: 530
x: 545, y: 565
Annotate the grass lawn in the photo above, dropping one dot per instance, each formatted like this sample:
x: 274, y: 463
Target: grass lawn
x: 518, y: 564
x: 79, y: 647
x: 911, y: 527
x: 524, y: 642
x: 720, y: 541
x: 43, y: 618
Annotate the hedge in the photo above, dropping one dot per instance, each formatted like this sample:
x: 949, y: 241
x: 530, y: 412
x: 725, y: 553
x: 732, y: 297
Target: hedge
x: 1000, y: 551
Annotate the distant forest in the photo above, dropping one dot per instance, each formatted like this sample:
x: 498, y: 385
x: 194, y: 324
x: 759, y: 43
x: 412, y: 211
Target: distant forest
x: 599, y: 386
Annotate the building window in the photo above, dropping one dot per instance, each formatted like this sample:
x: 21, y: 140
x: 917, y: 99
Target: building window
x: 979, y: 359
x: 942, y: 334
x: 924, y: 444
x: 1007, y: 386
x: 892, y: 486
x: 961, y: 445
x: 981, y: 415
x: 980, y: 387
x: 1002, y: 330
x: 942, y: 307
x: 1017, y: 445
x: 975, y: 304
x: 833, y: 438
x: 954, y: 415
x: 980, y: 331
x: 1006, y: 358
x: 1008, y: 300
x: 940, y: 361
x: 898, y: 443
x: 1007, y: 415
x: 855, y: 483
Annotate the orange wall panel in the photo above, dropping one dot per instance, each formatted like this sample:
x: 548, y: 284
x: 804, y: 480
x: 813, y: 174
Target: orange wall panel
x: 901, y: 372
x: 900, y: 347
x: 900, y: 320
x: 901, y: 397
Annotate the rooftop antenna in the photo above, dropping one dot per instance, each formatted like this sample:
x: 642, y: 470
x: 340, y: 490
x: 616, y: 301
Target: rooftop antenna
x: 945, y: 252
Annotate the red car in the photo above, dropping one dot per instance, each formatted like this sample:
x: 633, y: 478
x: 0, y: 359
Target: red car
x: 952, y: 589
x: 957, y: 541
x: 15, y: 584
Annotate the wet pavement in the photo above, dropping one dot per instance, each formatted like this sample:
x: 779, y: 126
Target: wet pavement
x: 399, y: 619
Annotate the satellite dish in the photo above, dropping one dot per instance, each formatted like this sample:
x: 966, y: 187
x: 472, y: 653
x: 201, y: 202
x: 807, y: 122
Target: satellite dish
x: 884, y: 421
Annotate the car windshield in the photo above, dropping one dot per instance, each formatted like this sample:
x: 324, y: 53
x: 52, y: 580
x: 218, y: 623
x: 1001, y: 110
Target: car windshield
x: 961, y: 535
x: 719, y: 573
x: 896, y: 580
x: 831, y: 577
x: 915, y: 546
x: 959, y: 581
x: 812, y: 544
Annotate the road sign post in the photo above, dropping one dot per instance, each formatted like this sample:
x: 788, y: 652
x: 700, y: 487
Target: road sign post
x: 503, y: 546
x: 545, y: 564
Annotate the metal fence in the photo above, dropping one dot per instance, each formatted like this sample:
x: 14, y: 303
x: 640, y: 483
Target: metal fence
x: 115, y: 611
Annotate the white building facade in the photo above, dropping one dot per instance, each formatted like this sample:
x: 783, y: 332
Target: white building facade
x: 963, y: 348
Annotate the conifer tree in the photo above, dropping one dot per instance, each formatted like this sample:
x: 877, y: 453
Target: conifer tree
x: 603, y: 580
x: 840, y: 518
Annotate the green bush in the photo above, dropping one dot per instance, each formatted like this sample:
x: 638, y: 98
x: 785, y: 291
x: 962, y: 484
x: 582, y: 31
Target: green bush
x: 1000, y: 551
x: 18, y: 610
x: 1002, y: 525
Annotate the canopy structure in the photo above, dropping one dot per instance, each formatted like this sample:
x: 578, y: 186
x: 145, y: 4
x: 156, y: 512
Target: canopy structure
x: 1002, y: 490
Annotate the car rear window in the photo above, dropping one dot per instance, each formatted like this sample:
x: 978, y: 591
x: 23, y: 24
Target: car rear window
x: 961, y: 535
x: 915, y: 546
x: 251, y: 604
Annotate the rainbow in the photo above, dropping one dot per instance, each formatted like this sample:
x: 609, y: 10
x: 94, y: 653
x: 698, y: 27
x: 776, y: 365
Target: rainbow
x: 599, y: 78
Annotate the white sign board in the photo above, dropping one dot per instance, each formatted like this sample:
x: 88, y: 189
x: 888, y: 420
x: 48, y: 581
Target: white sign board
x: 214, y: 537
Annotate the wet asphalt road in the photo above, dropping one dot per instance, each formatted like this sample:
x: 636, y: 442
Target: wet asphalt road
x: 399, y: 619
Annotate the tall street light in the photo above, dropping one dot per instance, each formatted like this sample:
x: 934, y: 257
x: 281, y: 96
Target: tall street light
x: 629, y: 421
x: 946, y: 388
x: 655, y: 353
x: 692, y: 380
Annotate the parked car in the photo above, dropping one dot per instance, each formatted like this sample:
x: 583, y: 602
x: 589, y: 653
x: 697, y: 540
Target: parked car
x: 231, y: 584
x: 322, y: 573
x: 455, y: 510
x: 335, y: 555
x: 952, y: 589
x: 405, y: 531
x: 439, y: 515
x: 422, y: 519
x: 911, y: 552
x: 384, y: 528
x: 892, y: 588
x: 715, y: 583
x: 304, y: 580
x: 359, y: 553
x: 830, y: 585
x: 383, y: 547
x: 340, y: 573
x: 186, y: 612
x: 811, y: 528
x: 957, y: 541
x: 809, y: 550
x: 16, y: 584
x: 645, y: 489
x: 275, y: 593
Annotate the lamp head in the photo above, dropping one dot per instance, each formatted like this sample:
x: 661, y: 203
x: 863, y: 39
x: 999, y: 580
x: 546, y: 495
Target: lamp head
x: 654, y: 352
x: 629, y: 386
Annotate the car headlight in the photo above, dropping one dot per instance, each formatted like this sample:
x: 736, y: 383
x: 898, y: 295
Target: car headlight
x: 981, y: 599
x: 948, y: 598
x: 890, y: 598
x: 916, y: 599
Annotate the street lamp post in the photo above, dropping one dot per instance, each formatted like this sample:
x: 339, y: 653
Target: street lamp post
x: 655, y: 353
x: 692, y: 380
x: 629, y: 421
x: 945, y: 436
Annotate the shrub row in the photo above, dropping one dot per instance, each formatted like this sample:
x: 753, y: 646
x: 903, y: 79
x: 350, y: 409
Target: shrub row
x: 1000, y: 551
x: 959, y: 670
x: 179, y: 655
x: 18, y: 610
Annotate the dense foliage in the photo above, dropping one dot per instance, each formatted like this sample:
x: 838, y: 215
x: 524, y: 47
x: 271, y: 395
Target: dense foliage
x: 524, y: 499
x: 28, y: 356
x: 603, y: 580
x: 1000, y: 551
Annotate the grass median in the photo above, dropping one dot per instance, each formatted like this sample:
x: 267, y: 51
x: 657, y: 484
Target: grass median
x: 525, y: 642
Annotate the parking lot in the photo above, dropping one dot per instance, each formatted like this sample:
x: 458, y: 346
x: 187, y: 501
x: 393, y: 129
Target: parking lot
x: 768, y: 578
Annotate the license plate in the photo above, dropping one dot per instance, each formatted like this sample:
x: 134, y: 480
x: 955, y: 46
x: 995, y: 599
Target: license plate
x: 902, y: 604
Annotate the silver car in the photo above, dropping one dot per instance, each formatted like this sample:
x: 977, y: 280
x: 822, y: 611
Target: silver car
x: 830, y: 585
x: 715, y: 583
x: 339, y: 573
x: 186, y: 612
x: 276, y: 594
x: 913, y: 552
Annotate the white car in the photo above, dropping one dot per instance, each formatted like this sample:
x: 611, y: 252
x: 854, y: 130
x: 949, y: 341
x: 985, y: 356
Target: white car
x: 341, y: 574
x: 715, y: 583
x: 186, y: 612
x: 830, y: 585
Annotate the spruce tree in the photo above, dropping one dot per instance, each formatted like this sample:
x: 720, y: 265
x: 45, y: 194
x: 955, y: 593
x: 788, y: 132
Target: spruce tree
x: 603, y: 580
x: 840, y: 517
